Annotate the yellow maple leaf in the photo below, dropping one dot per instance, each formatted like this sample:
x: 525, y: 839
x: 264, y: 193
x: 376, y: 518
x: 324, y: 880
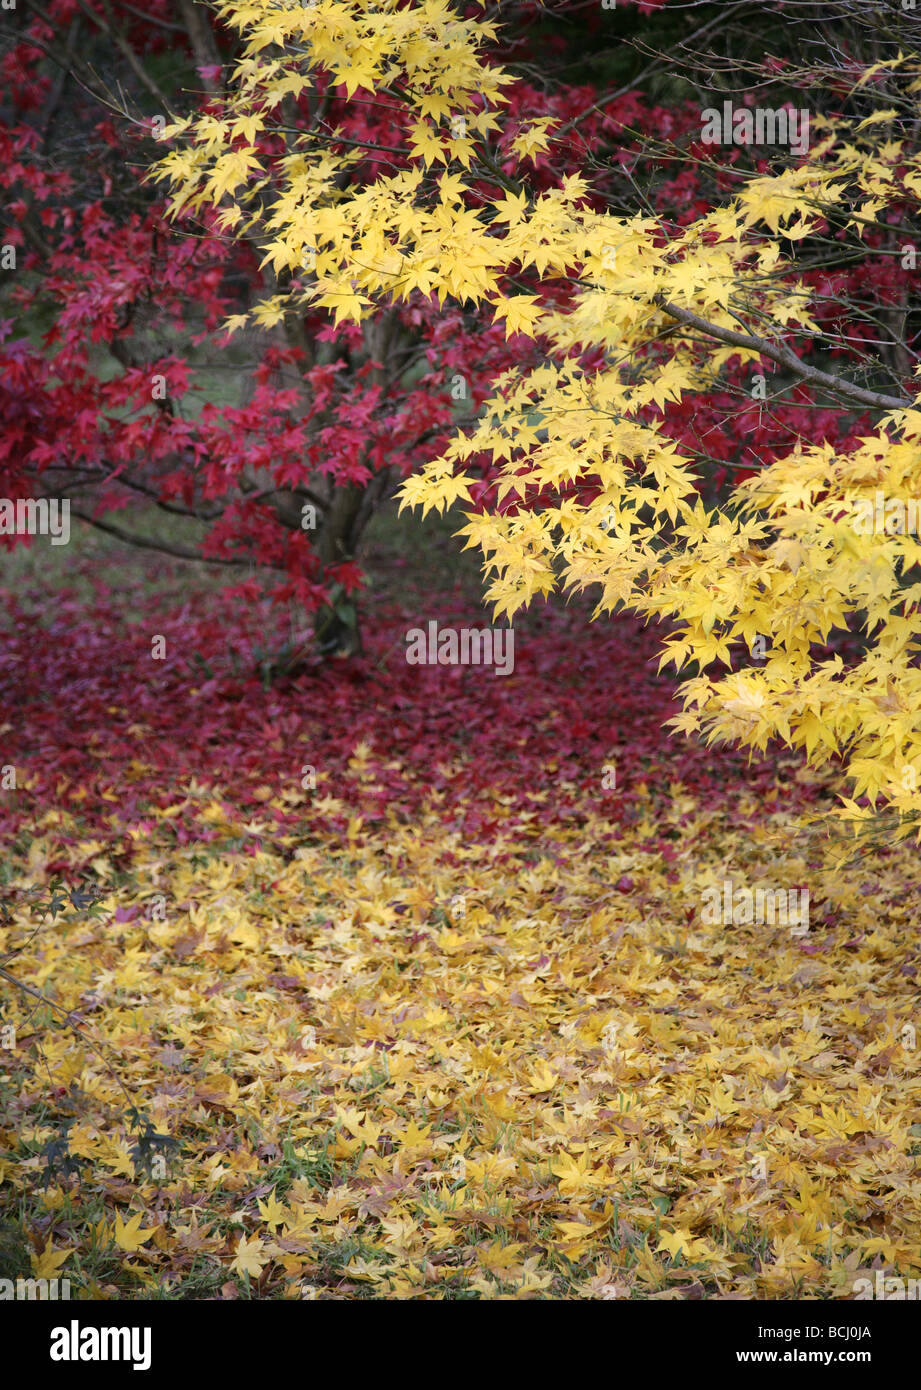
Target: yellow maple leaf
x: 521, y: 313
x: 46, y: 1264
x: 273, y: 1213
x: 681, y: 1242
x: 130, y: 1236
x: 542, y: 1078
x: 249, y: 1257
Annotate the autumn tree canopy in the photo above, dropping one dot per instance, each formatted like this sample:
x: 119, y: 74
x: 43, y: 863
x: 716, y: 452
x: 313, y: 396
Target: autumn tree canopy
x: 590, y: 484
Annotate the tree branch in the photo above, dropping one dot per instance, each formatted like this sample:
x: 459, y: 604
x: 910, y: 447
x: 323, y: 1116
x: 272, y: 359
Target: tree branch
x: 161, y: 546
x: 784, y: 358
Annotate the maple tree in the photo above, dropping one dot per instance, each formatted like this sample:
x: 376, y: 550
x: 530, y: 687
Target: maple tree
x: 116, y: 380
x: 116, y: 385
x: 637, y: 311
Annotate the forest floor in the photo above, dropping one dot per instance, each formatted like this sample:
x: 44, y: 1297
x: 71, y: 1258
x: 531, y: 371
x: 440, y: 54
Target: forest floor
x: 411, y: 964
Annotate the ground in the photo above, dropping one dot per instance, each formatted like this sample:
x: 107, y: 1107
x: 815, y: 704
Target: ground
x: 412, y: 965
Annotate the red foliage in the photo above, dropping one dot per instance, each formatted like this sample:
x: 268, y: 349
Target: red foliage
x: 132, y: 730
x: 102, y: 276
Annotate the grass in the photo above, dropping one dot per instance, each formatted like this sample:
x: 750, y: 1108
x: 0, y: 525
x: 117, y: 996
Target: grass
x: 405, y: 559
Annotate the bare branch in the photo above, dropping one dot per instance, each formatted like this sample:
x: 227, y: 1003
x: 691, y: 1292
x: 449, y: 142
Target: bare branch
x: 784, y: 358
x: 144, y: 544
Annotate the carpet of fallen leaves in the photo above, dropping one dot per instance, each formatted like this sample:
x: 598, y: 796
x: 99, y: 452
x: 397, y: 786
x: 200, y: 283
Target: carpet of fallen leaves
x: 449, y: 1024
